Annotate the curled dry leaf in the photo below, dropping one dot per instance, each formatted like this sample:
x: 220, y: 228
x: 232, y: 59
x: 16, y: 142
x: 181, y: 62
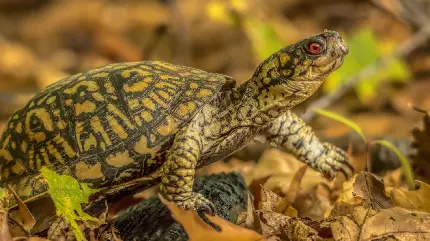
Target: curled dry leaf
x: 269, y: 200
x: 27, y: 218
x: 367, y: 224
x: 417, y: 199
x: 4, y: 227
x: 281, y: 167
x: 198, y: 230
x: 346, y: 201
x: 285, y: 205
x: 372, y: 191
x: 315, y: 203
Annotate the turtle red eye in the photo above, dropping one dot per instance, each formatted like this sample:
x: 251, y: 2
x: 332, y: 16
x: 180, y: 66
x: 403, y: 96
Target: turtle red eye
x: 314, y: 48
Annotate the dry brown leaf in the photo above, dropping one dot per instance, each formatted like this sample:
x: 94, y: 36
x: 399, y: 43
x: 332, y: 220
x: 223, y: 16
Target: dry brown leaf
x: 313, y: 204
x: 198, y: 230
x: 372, y: 191
x: 346, y: 201
x: 256, y: 187
x: 294, y: 187
x: 252, y: 220
x: 276, y: 226
x: 27, y: 218
x: 269, y: 200
x: 417, y: 199
x: 393, y: 178
x: 281, y: 167
x: 285, y: 205
x: 4, y: 227
x: 368, y: 224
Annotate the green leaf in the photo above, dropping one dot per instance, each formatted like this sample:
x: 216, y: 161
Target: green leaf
x: 342, y: 119
x: 366, y: 49
x: 68, y: 195
x: 2, y: 193
x: 403, y: 161
x: 263, y: 37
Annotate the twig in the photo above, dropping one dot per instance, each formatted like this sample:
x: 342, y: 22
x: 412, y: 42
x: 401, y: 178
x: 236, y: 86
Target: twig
x: 408, y: 46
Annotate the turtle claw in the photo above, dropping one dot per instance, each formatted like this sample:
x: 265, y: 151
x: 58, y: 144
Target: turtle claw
x: 199, y: 203
x: 334, y: 159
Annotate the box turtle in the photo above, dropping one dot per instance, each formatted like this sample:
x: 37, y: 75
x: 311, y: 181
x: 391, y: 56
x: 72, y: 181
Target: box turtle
x: 125, y: 125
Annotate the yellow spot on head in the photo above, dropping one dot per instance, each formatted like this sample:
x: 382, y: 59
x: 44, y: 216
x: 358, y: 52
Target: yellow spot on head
x: 284, y: 59
x: 119, y: 159
x: 85, y: 171
x: 204, y: 93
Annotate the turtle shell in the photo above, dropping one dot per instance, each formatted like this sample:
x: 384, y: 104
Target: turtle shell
x: 103, y: 127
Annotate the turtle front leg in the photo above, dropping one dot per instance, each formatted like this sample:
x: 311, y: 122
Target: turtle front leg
x: 291, y: 134
x: 178, y: 173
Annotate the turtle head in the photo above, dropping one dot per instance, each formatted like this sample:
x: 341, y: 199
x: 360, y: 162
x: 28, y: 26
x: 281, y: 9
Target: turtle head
x: 312, y: 58
x: 296, y: 71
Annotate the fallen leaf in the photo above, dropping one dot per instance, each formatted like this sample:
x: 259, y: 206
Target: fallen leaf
x: 256, y: 187
x: 417, y: 199
x: 27, y: 218
x: 68, y: 195
x: 198, y: 230
x: 393, y: 178
x: 372, y: 191
x: 4, y: 227
x: 346, y: 201
x: 315, y: 203
x: 269, y: 200
x: 368, y: 224
x: 285, y: 205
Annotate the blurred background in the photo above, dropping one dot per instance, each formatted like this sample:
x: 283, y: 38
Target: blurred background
x: 386, y: 72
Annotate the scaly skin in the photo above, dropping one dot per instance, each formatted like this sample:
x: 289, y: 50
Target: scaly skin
x: 259, y: 106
